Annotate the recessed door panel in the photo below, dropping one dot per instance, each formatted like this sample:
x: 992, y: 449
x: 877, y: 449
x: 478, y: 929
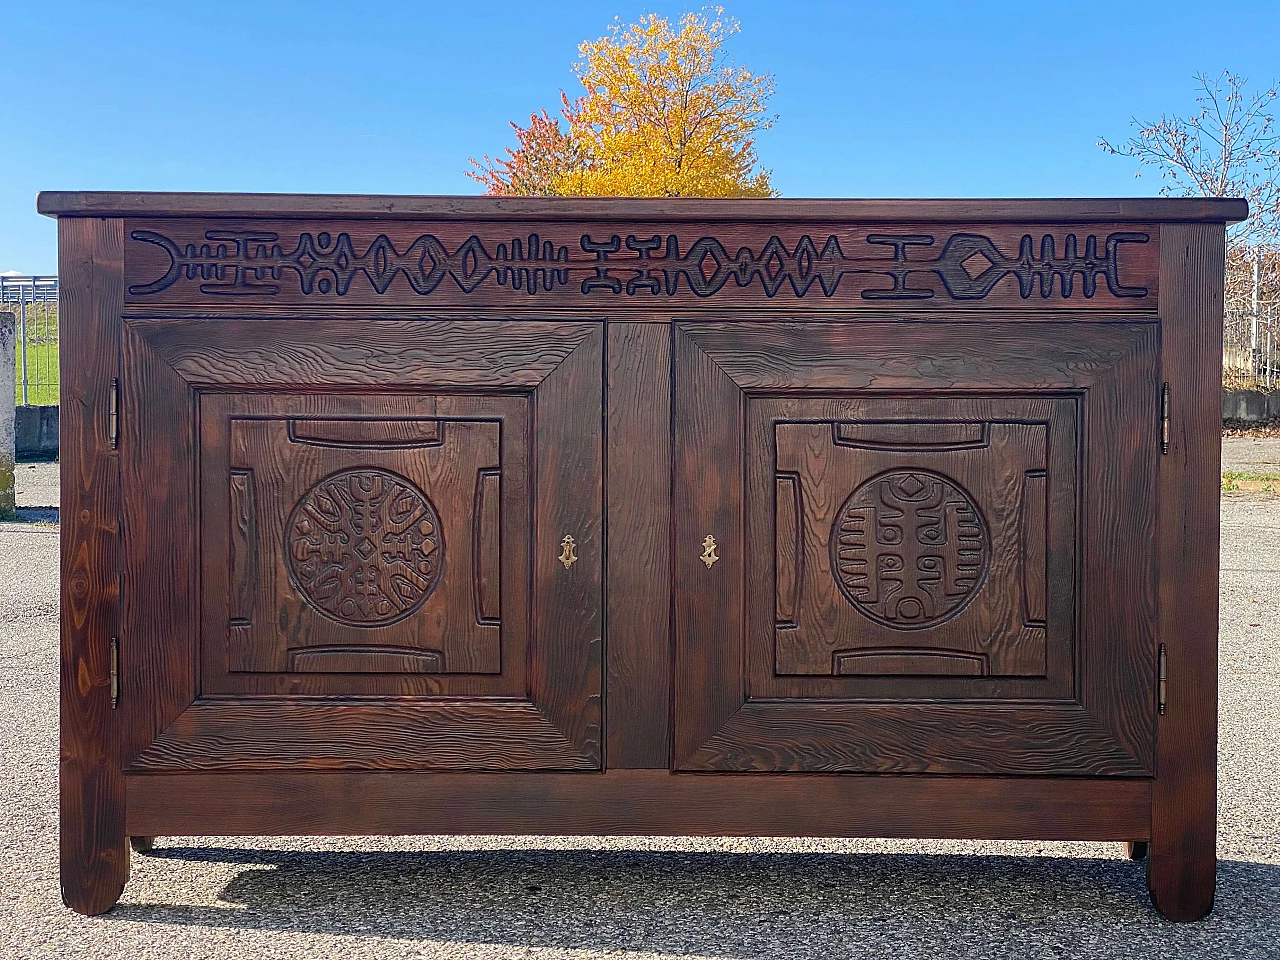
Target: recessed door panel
x: 914, y: 538
x: 365, y: 536
x: 924, y: 534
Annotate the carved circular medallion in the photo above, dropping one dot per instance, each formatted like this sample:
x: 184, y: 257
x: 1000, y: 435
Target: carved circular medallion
x: 364, y: 546
x: 909, y: 549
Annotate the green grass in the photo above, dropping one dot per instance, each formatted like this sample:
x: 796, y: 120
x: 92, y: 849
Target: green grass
x: 1251, y: 480
x: 42, y: 365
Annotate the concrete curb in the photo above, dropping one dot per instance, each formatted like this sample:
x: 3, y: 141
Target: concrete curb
x: 1251, y: 405
x: 36, y: 431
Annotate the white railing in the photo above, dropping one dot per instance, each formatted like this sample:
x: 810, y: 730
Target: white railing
x: 34, y: 302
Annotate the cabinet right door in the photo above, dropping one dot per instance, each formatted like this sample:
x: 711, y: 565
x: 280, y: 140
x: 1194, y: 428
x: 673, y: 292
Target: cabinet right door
x: 916, y: 547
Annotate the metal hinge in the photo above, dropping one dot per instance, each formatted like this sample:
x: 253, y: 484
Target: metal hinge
x: 1164, y: 418
x: 113, y: 414
x: 1161, y: 681
x: 113, y: 672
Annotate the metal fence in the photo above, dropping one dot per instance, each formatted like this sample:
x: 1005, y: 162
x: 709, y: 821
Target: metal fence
x: 34, y: 301
x: 1251, y: 348
x: 1251, y: 320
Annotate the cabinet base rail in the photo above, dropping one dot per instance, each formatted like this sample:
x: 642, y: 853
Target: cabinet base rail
x: 637, y: 803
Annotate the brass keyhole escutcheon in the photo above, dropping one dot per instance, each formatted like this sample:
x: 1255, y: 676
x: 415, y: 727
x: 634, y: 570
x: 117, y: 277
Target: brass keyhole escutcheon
x: 709, y: 555
x: 567, y: 556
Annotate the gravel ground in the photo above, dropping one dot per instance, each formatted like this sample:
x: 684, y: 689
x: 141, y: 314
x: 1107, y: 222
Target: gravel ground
x: 548, y: 897
x: 36, y: 491
x: 1261, y: 454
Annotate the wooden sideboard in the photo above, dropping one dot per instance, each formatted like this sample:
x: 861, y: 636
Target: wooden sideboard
x: 468, y: 515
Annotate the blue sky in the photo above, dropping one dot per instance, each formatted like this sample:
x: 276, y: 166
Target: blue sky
x: 875, y: 100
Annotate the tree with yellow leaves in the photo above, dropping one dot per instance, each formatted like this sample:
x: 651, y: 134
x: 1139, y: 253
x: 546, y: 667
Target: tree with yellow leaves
x: 665, y: 114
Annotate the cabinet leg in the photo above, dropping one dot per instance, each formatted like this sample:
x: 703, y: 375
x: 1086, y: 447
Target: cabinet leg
x: 142, y: 844
x: 1134, y: 849
x: 93, y: 848
x: 1182, y: 863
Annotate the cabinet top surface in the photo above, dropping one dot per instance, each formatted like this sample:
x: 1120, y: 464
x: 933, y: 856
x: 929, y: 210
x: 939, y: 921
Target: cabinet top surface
x: 59, y: 203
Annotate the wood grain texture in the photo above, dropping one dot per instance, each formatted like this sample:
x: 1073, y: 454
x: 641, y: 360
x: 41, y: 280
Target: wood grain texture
x: 638, y: 520
x: 781, y: 357
x: 225, y: 266
x: 270, y: 687
x: 708, y: 431
x: 1119, y: 614
x: 396, y: 355
x: 1033, y: 532
x: 243, y: 552
x: 1007, y: 739
x: 788, y: 551
x: 93, y: 845
x: 160, y: 611
x: 142, y: 204
x: 1092, y: 713
x: 450, y: 647
x: 1181, y: 866
x: 486, y: 550
x: 416, y: 588
x: 566, y: 671
x: 639, y: 802
x: 950, y: 580
x: 301, y: 733
x: 368, y: 434
x: 984, y: 443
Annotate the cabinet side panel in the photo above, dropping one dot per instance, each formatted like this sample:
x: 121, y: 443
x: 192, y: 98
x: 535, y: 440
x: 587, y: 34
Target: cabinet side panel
x: 1181, y: 866
x: 638, y: 587
x: 93, y: 848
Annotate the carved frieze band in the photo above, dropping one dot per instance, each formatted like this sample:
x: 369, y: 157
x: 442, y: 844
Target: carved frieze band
x: 950, y: 266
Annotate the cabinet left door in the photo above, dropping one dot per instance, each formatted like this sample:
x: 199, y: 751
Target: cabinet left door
x: 361, y: 544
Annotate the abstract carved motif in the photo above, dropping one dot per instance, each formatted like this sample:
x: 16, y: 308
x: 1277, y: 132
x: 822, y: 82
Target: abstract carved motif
x: 364, y: 547
x: 909, y: 549
x: 968, y: 266
x: 244, y: 263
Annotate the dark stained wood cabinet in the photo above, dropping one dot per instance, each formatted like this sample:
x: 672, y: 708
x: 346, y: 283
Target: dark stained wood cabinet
x: 468, y: 515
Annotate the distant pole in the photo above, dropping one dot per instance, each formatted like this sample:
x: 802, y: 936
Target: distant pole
x: 1271, y: 361
x: 7, y: 375
x: 1267, y: 361
x: 1253, y: 320
x: 22, y: 303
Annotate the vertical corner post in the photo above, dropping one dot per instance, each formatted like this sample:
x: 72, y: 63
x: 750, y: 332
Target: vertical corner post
x: 1182, y: 865
x: 94, y: 850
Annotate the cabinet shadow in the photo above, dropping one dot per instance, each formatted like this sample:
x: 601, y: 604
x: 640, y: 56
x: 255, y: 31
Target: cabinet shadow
x: 722, y: 903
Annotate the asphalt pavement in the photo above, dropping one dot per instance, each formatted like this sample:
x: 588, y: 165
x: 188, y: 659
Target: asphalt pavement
x: 466, y: 897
